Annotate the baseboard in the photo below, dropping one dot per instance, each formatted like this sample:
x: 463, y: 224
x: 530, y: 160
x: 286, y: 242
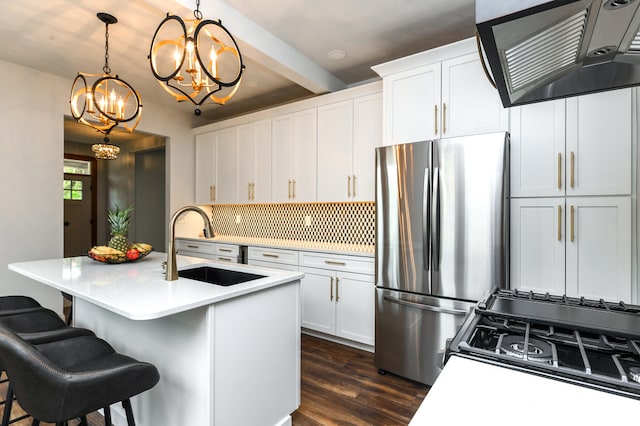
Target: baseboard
x: 339, y: 340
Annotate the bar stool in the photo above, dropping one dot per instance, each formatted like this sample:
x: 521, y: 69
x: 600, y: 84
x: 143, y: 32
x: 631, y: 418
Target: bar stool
x: 37, y: 326
x: 67, y: 379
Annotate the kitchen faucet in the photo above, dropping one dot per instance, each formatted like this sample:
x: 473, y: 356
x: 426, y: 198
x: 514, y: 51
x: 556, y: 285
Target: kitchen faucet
x: 172, y: 267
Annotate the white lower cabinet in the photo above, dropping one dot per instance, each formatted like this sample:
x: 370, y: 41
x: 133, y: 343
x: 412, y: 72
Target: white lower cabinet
x: 338, y: 295
x: 579, y: 246
x: 599, y: 248
x: 273, y: 258
x: 194, y: 248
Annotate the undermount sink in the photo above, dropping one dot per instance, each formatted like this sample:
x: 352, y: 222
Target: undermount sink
x: 217, y: 276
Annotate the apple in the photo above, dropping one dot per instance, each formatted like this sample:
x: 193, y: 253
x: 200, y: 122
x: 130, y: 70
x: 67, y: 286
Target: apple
x: 133, y: 254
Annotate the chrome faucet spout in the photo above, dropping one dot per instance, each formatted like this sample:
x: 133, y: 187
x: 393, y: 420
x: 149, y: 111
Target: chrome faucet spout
x: 172, y: 267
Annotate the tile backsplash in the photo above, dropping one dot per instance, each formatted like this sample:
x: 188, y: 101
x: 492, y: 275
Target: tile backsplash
x: 339, y: 223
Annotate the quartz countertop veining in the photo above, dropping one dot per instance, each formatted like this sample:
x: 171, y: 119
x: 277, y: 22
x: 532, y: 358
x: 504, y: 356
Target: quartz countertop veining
x: 138, y: 290
x: 336, y: 248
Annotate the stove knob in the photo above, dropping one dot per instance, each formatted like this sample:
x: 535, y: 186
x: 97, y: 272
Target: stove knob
x: 634, y: 374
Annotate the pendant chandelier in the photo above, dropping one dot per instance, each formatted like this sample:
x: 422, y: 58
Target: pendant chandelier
x: 196, y: 60
x: 107, y: 102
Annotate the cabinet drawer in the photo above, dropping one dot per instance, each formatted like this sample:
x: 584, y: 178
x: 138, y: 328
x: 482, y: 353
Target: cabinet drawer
x: 203, y: 247
x: 263, y: 264
x: 288, y: 257
x: 356, y: 264
x: 227, y: 250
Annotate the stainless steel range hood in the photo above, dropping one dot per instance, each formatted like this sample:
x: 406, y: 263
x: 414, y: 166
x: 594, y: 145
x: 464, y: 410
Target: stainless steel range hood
x: 540, y: 50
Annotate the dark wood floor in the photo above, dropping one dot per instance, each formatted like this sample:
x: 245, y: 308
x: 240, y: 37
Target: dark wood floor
x: 340, y: 386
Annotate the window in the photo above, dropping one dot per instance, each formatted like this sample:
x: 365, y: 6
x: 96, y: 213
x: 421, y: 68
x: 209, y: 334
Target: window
x: 72, y: 189
x: 77, y: 167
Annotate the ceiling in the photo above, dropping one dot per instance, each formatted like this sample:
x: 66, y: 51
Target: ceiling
x: 285, y: 43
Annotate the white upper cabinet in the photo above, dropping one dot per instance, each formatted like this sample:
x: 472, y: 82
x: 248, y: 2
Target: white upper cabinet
x: 348, y: 133
x: 438, y: 94
x: 226, y: 189
x: 577, y: 146
x: 254, y: 162
x: 293, y: 167
x: 538, y: 149
x: 367, y: 136
x: 216, y: 180
x: 412, y: 105
x: 335, y: 151
x: 599, y: 143
x: 205, y: 168
x: 470, y: 105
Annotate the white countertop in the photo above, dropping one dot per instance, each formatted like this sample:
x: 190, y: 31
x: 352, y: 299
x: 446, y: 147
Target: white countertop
x: 475, y: 393
x: 348, y: 249
x: 138, y: 290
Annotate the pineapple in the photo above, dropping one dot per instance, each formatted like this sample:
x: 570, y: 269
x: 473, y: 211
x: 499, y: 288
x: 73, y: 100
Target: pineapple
x: 119, y: 222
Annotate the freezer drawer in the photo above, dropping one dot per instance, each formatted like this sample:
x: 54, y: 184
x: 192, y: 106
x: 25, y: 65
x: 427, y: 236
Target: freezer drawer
x: 411, y: 332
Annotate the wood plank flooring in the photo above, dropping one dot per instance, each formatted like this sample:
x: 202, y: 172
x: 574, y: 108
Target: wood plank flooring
x: 340, y: 386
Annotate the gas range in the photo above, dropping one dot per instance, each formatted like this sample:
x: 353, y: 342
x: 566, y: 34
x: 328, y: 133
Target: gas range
x: 592, y: 343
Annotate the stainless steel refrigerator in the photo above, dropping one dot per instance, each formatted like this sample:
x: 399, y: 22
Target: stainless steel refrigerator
x: 441, y: 241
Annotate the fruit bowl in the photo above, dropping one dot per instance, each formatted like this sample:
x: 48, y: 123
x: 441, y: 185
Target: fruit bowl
x: 104, y: 254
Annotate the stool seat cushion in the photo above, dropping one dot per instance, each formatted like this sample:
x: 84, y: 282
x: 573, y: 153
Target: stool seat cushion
x: 41, y: 325
x: 15, y: 304
x: 61, y: 380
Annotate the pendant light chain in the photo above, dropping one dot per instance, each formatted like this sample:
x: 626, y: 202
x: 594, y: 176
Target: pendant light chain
x: 197, y: 13
x: 106, y: 68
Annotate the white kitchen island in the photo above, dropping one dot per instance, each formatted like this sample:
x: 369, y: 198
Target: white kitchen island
x: 226, y: 355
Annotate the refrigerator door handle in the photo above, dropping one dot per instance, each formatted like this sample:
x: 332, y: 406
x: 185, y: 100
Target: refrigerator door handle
x: 426, y: 219
x: 425, y: 307
x: 435, y: 220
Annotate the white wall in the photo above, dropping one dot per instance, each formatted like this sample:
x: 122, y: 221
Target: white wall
x: 32, y: 109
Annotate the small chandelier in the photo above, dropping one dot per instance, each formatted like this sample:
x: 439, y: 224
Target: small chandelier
x: 196, y: 63
x: 108, y: 102
x: 105, y: 151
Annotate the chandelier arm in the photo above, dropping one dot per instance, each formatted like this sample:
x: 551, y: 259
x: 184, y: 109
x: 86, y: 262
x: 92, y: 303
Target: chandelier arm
x: 156, y: 46
x: 237, y: 53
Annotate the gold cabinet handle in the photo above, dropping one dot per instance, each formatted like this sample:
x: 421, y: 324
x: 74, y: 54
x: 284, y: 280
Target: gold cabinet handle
x: 293, y: 193
x: 270, y: 255
x: 214, y: 193
x: 289, y: 189
x: 349, y: 186
x: 192, y: 246
x: 435, y: 119
x: 337, y: 289
x: 573, y: 157
x: 249, y: 191
x: 334, y: 262
x: 226, y: 250
x: 354, y: 185
x: 573, y: 237
x: 211, y: 193
x: 444, y: 118
x: 559, y: 222
x: 253, y: 191
x: 559, y: 170
x: 331, y: 289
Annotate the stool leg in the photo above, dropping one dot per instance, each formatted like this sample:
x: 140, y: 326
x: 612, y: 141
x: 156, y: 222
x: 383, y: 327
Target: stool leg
x: 6, y: 416
x: 35, y: 422
x: 127, y: 409
x: 107, y: 416
x: 83, y: 421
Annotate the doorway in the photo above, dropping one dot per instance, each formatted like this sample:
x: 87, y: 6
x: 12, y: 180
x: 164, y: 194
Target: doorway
x: 150, y: 198
x: 79, y: 192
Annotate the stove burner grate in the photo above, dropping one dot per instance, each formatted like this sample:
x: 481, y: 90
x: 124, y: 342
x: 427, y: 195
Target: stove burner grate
x: 536, y: 350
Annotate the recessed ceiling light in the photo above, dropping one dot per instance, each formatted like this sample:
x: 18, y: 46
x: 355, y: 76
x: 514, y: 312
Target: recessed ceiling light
x: 337, y: 54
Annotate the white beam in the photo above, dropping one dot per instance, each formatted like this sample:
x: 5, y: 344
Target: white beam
x: 268, y: 50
